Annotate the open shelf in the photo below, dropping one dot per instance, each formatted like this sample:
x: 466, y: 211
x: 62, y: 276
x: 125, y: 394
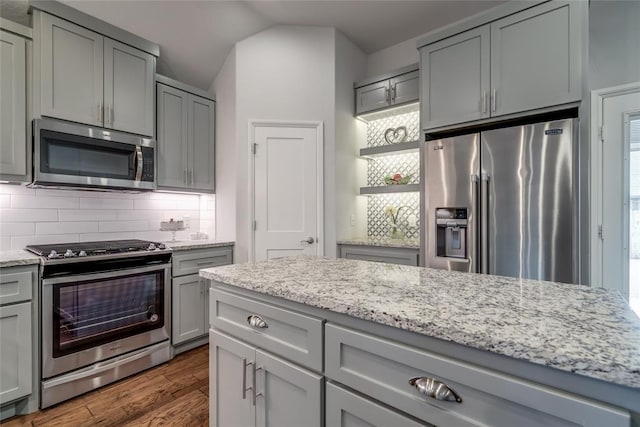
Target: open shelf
x: 399, y: 148
x: 386, y: 189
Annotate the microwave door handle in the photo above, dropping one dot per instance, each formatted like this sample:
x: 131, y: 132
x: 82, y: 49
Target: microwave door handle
x: 139, y: 163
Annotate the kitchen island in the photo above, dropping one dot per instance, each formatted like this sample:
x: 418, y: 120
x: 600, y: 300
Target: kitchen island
x: 513, y: 350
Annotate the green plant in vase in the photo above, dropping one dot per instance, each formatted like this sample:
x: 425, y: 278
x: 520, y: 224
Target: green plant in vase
x: 393, y: 213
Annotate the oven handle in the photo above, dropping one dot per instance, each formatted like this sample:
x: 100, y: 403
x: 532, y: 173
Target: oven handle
x: 98, y: 368
x: 106, y: 275
x: 139, y: 163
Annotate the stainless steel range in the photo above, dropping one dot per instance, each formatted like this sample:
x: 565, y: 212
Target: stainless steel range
x: 105, y: 313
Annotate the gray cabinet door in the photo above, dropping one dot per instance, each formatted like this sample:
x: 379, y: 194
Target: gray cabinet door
x: 230, y: 375
x: 290, y: 396
x: 346, y: 409
x: 187, y: 309
x: 373, y: 97
x: 405, y: 88
x: 71, y: 67
x: 201, y: 136
x: 128, y: 88
x: 172, y: 155
x: 535, y: 58
x: 15, y: 351
x: 13, y: 110
x: 455, y: 79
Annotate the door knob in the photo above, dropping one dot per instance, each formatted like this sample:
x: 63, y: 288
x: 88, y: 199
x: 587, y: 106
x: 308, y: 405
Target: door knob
x: 309, y: 240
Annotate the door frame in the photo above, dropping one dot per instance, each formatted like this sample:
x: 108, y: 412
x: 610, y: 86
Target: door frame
x: 311, y: 124
x: 595, y: 181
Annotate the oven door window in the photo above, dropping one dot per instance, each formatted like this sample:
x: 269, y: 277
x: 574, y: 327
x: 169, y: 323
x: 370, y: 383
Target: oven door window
x: 88, y: 314
x: 74, y: 155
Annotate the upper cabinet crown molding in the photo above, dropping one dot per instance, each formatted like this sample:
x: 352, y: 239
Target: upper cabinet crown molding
x: 94, y: 24
x: 14, y: 27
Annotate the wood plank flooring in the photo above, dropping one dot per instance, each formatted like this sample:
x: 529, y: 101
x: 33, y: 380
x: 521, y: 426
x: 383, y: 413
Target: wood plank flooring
x: 176, y: 393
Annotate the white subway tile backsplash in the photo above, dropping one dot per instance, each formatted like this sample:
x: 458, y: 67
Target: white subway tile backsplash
x: 66, y: 227
x: 19, y: 201
x: 105, y: 203
x: 86, y: 215
x: 118, y: 226
x: 28, y: 215
x: 17, y: 228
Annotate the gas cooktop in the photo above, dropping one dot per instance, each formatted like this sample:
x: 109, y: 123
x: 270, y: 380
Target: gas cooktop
x: 94, y: 249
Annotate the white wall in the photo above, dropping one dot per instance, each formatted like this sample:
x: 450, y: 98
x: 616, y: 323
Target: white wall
x: 224, y: 87
x: 42, y: 216
x: 284, y: 73
x: 396, y: 56
x: 350, y: 169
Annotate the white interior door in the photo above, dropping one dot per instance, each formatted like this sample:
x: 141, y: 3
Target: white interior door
x: 287, y: 190
x: 620, y: 188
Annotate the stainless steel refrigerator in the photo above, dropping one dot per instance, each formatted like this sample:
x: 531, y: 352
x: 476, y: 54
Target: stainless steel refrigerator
x: 504, y: 202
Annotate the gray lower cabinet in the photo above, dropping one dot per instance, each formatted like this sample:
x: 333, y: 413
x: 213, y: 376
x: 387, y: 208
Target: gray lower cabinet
x: 347, y: 409
x: 404, y: 256
x: 391, y: 92
x: 84, y: 77
x: 525, y: 61
x: 186, y: 140
x: 250, y: 387
x: 189, y: 293
x: 18, y: 340
x: 14, y: 144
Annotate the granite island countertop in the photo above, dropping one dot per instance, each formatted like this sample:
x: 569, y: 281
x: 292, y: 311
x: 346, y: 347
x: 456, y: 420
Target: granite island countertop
x: 588, y: 331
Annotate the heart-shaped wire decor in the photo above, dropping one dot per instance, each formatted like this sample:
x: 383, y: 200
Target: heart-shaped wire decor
x: 395, y: 136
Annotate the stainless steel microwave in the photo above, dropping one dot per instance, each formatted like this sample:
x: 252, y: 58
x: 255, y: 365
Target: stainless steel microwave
x: 70, y: 154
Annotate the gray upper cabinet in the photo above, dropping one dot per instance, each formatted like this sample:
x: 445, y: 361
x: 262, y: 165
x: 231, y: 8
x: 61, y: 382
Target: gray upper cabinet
x: 128, y: 88
x: 186, y: 140
x: 455, y: 79
x: 172, y: 136
x: 527, y: 61
x: 388, y: 92
x: 14, y: 146
x: 535, y: 58
x: 71, y: 71
x: 88, y: 78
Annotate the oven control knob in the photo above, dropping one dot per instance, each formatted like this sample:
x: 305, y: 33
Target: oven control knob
x: 52, y: 254
x: 69, y: 253
x: 151, y: 247
x: 82, y: 253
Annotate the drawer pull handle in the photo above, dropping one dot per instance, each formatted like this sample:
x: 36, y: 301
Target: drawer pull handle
x: 434, y: 389
x: 257, y: 322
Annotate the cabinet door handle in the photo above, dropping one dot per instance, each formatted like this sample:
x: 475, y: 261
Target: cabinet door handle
x: 393, y: 94
x: 108, y: 121
x: 386, y: 95
x: 484, y: 101
x: 434, y: 389
x: 244, y: 378
x: 257, y: 322
x: 191, y: 177
x: 100, y: 111
x: 494, y: 100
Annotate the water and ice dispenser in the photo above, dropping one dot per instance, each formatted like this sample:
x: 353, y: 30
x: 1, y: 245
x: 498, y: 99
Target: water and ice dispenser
x: 451, y: 232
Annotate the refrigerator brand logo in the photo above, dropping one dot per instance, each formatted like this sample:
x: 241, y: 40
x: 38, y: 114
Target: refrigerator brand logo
x: 553, y: 132
x: 438, y: 147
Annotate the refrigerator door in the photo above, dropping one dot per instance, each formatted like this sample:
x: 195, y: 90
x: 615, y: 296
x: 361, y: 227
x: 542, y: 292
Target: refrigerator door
x: 527, y: 179
x: 451, y: 193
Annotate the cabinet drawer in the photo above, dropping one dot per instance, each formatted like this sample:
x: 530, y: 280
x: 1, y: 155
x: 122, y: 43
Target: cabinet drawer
x: 190, y: 262
x: 382, y: 369
x: 294, y: 336
x: 346, y: 409
x: 16, y: 284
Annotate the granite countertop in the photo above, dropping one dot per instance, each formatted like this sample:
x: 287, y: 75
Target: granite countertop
x: 588, y: 331
x: 17, y: 257
x: 384, y: 243
x: 184, y: 245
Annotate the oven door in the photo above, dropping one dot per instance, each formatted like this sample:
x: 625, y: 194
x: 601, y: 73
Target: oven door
x: 75, y: 155
x: 92, y: 317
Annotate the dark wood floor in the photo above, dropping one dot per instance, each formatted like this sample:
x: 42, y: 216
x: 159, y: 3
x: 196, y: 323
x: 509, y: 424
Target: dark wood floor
x: 176, y: 393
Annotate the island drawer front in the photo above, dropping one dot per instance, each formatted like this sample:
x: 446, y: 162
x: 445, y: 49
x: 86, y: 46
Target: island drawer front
x: 382, y: 368
x: 292, y: 335
x: 193, y: 260
x: 402, y: 256
x: 16, y: 284
x: 347, y: 409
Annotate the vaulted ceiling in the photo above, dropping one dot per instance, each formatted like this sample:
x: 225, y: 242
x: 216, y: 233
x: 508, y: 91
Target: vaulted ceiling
x: 196, y: 36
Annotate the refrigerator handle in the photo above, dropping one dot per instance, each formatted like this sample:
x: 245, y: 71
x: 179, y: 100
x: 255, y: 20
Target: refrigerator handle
x: 484, y: 223
x: 475, y: 252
